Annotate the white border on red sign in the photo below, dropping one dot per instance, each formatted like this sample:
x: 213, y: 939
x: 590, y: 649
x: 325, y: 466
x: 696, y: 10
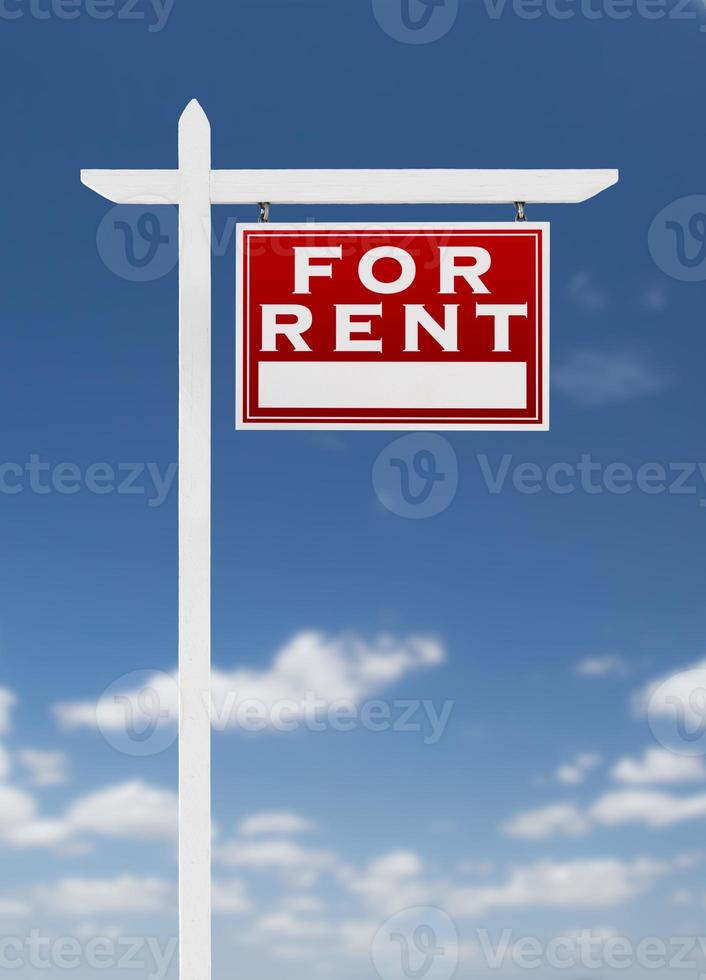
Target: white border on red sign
x: 459, y: 426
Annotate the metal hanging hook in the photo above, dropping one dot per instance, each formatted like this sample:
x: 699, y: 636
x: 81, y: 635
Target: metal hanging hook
x: 264, y: 211
x: 520, y: 211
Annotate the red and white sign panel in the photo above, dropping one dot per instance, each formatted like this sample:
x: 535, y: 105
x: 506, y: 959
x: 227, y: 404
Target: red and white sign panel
x: 371, y: 326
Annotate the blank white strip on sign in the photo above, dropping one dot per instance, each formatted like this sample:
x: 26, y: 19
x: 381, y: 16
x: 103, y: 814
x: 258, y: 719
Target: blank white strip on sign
x: 394, y: 384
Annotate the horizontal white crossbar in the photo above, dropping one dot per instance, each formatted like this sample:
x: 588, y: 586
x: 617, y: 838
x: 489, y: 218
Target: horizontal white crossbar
x: 134, y: 186
x: 358, y: 186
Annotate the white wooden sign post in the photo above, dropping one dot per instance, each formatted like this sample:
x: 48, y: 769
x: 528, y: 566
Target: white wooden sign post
x: 194, y: 187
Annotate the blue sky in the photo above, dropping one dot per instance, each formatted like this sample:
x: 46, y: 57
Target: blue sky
x: 547, y: 805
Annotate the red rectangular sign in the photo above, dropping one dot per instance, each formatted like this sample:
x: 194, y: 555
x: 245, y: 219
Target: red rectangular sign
x: 352, y: 326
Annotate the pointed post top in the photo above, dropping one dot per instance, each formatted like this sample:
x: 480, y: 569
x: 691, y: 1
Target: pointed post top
x: 194, y: 139
x: 193, y: 112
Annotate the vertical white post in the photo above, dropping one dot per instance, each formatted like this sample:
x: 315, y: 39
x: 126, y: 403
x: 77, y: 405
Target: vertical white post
x: 194, y: 544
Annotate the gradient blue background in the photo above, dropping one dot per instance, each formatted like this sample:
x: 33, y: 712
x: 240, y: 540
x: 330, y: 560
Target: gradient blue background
x: 518, y: 588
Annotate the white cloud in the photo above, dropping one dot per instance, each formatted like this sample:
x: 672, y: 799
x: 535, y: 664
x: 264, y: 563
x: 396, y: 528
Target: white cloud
x: 287, y: 924
x: 7, y: 702
x: 390, y: 883
x: 41, y: 833
x: 637, y: 807
x: 573, y: 773
x: 649, y: 808
x: 274, y: 855
x: 296, y: 953
x: 581, y: 883
x: 659, y: 766
x: 477, y: 867
x: 17, y: 810
x: 357, y: 936
x: 607, y: 665
x: 594, y: 378
x: 45, y: 768
x: 398, y: 881
x: 681, y: 898
x: 569, y: 774
x: 590, y: 883
x: 275, y: 822
x: 110, y: 712
x: 11, y: 908
x: 654, y: 297
x: 132, y: 809
x: 556, y: 820
x: 302, y: 903
x: 586, y: 937
x: 311, y: 667
x: 397, y: 864
x: 88, y: 896
x: 230, y: 896
x: 585, y: 293
x: 91, y: 930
